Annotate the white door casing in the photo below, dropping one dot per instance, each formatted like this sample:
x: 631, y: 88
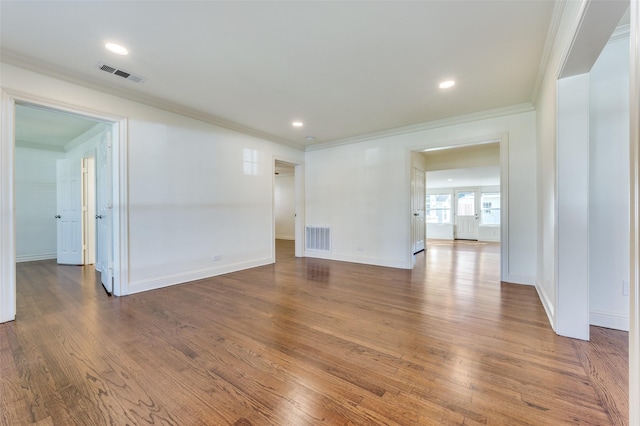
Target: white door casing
x: 120, y: 234
x: 69, y: 212
x: 89, y: 209
x: 418, y: 204
x: 467, y: 216
x: 104, y: 217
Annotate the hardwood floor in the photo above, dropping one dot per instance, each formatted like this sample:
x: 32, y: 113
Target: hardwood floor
x: 305, y: 342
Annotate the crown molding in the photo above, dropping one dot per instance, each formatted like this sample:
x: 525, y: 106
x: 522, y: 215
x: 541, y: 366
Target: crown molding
x: 39, y: 67
x: 34, y: 65
x: 552, y: 33
x: 413, y: 128
x: 38, y: 146
x: 622, y: 32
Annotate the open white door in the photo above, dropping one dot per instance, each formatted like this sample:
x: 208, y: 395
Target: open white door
x: 69, y: 212
x: 104, y: 217
x: 467, y: 214
x: 418, y: 201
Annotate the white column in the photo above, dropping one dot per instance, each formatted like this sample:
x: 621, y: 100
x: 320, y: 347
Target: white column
x: 572, y: 318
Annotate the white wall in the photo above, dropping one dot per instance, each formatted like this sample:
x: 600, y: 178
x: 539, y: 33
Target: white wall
x: 609, y: 186
x: 285, y: 207
x: 482, y: 155
x: 558, y: 296
x: 363, y: 190
x: 195, y: 190
x: 440, y: 231
x: 35, y: 198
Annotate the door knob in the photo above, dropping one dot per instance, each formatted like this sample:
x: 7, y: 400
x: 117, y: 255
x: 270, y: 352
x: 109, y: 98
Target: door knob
x: 416, y: 214
x: 58, y: 216
x: 98, y: 216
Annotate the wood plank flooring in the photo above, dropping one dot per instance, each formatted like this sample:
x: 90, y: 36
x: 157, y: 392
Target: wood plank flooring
x: 305, y: 342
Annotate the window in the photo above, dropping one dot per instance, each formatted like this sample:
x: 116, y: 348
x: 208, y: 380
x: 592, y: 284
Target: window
x: 490, y: 202
x: 439, y: 208
x: 466, y: 203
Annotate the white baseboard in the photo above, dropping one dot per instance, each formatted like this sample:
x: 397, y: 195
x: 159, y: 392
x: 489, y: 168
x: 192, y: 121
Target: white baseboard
x: 36, y: 257
x: 519, y: 279
x: 389, y: 263
x: 609, y: 320
x: 546, y: 304
x: 490, y: 240
x: 169, y: 280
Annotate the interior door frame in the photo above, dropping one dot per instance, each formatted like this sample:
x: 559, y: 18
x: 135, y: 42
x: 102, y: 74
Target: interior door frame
x: 421, y: 203
x: 8, y: 100
x: 298, y: 170
x: 503, y: 141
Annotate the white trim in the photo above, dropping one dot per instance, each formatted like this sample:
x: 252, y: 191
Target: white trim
x: 546, y: 303
x: 609, y: 320
x: 120, y: 231
x: 300, y: 210
x: 548, y: 49
x: 634, y: 218
x: 46, y: 69
x: 377, y: 261
x: 451, y: 121
x: 520, y: 279
x: 7, y: 187
x: 35, y: 257
x: 7, y: 211
x: 623, y: 32
x: 199, y: 274
x: 504, y: 207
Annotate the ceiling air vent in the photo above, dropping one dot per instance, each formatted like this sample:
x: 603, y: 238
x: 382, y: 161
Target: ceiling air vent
x: 121, y: 73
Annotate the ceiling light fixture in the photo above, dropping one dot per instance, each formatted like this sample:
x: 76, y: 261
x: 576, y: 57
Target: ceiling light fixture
x: 447, y: 84
x: 310, y: 138
x: 297, y: 124
x: 117, y: 49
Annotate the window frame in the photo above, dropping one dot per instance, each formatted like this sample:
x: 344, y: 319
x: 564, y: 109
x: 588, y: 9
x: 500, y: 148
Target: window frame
x: 428, y: 209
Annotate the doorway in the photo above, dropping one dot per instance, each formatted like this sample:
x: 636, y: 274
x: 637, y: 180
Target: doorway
x: 467, y: 193
x: 115, y: 272
x: 71, y: 186
x: 288, y: 208
x: 418, y: 203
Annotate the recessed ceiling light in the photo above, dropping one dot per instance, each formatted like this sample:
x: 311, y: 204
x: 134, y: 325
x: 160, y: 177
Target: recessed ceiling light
x: 449, y: 180
x: 117, y: 49
x: 297, y: 124
x: 447, y: 84
x: 310, y: 138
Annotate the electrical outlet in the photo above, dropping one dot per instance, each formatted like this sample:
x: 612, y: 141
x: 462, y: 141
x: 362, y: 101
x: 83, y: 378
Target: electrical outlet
x: 625, y: 288
x: 216, y: 257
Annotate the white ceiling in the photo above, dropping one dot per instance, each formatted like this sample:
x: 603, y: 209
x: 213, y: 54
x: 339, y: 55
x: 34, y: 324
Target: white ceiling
x: 46, y: 129
x: 344, y: 68
x: 467, y: 177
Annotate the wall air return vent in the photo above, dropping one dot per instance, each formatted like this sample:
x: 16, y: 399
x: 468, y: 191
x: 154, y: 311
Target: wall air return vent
x: 318, y: 238
x: 120, y: 73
